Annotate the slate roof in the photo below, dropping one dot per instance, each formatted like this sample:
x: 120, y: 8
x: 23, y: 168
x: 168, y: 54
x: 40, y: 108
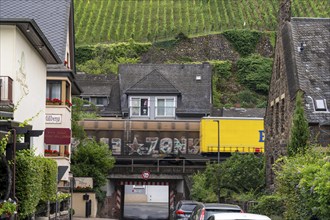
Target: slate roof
x: 153, y: 83
x: 101, y: 85
x: 177, y: 79
x: 51, y: 16
x: 244, y: 112
x: 311, y: 52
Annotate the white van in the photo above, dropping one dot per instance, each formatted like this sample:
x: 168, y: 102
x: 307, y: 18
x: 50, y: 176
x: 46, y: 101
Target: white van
x: 237, y: 216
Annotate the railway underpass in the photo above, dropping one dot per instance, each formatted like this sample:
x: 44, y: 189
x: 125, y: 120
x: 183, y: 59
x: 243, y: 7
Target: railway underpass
x: 144, y: 180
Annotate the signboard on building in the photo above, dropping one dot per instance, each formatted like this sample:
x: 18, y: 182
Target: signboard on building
x: 83, y: 182
x: 58, y: 136
x: 53, y: 119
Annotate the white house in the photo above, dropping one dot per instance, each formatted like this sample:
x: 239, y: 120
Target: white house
x: 37, y: 55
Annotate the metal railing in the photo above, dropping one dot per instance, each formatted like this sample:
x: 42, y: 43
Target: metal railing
x: 159, y: 165
x: 229, y: 149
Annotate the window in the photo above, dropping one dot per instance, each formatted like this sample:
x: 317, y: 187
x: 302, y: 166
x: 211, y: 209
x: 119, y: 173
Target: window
x: 282, y: 116
x: 320, y: 105
x: 98, y: 101
x: 53, y: 89
x: 58, y: 89
x: 165, y: 106
x: 277, y: 117
x: 139, y: 106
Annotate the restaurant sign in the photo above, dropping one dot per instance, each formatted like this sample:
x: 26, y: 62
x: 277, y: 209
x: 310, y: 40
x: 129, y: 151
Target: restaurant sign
x: 58, y: 136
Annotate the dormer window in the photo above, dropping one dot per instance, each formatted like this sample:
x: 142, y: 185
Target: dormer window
x: 165, y: 106
x: 320, y: 105
x: 139, y: 106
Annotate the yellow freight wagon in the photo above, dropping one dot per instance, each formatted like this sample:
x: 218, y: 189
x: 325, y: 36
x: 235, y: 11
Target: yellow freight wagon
x: 236, y: 135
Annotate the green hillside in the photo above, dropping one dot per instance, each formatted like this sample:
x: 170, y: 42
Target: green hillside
x: 109, y: 21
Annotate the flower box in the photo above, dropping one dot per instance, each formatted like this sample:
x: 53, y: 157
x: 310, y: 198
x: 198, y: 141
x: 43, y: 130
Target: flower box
x: 54, y: 101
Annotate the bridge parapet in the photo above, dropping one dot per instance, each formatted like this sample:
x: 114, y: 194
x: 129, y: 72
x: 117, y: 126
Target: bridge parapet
x: 159, y: 166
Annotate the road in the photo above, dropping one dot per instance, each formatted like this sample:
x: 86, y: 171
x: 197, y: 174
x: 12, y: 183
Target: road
x: 150, y: 211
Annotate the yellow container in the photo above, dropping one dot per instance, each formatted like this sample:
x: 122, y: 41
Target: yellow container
x: 236, y: 135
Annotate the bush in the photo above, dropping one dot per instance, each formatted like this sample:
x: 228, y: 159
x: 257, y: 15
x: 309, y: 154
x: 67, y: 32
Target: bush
x: 255, y: 72
x: 28, y: 182
x: 222, y: 68
x: 270, y: 205
x: 302, y: 181
x: 244, y: 41
x: 49, y: 177
x: 104, y: 58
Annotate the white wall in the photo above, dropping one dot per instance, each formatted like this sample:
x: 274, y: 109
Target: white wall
x: 26, y: 67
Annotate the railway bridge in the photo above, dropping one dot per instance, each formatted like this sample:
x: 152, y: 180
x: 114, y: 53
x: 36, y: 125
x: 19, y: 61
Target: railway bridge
x: 131, y: 173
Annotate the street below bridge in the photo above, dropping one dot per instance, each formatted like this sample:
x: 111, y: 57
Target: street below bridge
x: 150, y: 211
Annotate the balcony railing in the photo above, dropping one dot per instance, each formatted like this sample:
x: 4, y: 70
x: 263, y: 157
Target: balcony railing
x: 6, y: 90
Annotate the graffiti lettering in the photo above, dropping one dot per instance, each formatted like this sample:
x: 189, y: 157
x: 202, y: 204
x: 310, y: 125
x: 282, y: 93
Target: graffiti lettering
x: 155, y: 145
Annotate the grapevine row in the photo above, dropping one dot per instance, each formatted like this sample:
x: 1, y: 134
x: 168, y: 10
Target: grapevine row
x: 149, y: 20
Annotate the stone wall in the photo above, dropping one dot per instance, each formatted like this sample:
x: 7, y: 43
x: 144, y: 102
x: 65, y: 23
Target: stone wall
x: 280, y: 106
x: 210, y: 47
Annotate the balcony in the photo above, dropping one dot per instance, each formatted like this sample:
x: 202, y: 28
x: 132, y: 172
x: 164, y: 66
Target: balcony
x: 6, y: 97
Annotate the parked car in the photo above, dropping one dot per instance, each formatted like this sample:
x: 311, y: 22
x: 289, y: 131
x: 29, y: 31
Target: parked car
x: 183, y: 209
x: 236, y: 216
x: 203, y: 210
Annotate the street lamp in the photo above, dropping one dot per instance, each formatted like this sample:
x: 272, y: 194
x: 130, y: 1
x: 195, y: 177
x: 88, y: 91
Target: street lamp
x: 218, y: 123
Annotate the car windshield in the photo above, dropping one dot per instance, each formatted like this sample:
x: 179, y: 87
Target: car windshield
x: 214, y: 211
x: 188, y: 207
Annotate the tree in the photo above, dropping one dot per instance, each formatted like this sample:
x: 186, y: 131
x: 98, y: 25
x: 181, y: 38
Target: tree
x: 299, y: 131
x: 78, y: 114
x: 241, y: 173
x: 302, y: 181
x: 94, y: 160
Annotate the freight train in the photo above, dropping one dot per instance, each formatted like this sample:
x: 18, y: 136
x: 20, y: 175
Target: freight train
x: 187, y: 138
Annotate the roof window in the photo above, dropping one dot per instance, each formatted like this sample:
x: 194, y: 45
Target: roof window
x: 320, y: 105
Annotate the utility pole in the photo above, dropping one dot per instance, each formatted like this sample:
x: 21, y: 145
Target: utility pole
x: 218, y: 179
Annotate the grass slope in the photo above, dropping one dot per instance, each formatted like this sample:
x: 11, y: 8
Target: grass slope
x: 108, y: 21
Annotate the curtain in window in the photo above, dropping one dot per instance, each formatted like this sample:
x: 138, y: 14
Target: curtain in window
x: 161, y: 107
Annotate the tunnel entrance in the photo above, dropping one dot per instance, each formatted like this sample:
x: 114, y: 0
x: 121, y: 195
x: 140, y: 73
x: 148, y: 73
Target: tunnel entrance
x: 150, y: 200
x: 146, y: 202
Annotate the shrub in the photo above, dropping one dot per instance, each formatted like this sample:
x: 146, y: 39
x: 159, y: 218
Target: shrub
x: 28, y: 182
x: 222, y: 68
x: 49, y: 176
x: 244, y: 41
x: 255, y: 72
x: 270, y: 205
x: 104, y: 58
x: 302, y: 181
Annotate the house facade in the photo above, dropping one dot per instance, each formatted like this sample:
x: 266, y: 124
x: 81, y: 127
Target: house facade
x: 23, y: 73
x: 302, y: 63
x: 150, y: 110
x: 43, y: 81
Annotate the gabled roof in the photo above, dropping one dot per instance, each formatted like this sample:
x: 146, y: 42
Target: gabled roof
x: 153, y: 83
x: 95, y: 85
x: 100, y: 86
x: 244, y: 112
x: 194, y: 95
x: 51, y: 16
x: 35, y: 36
x: 311, y: 60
